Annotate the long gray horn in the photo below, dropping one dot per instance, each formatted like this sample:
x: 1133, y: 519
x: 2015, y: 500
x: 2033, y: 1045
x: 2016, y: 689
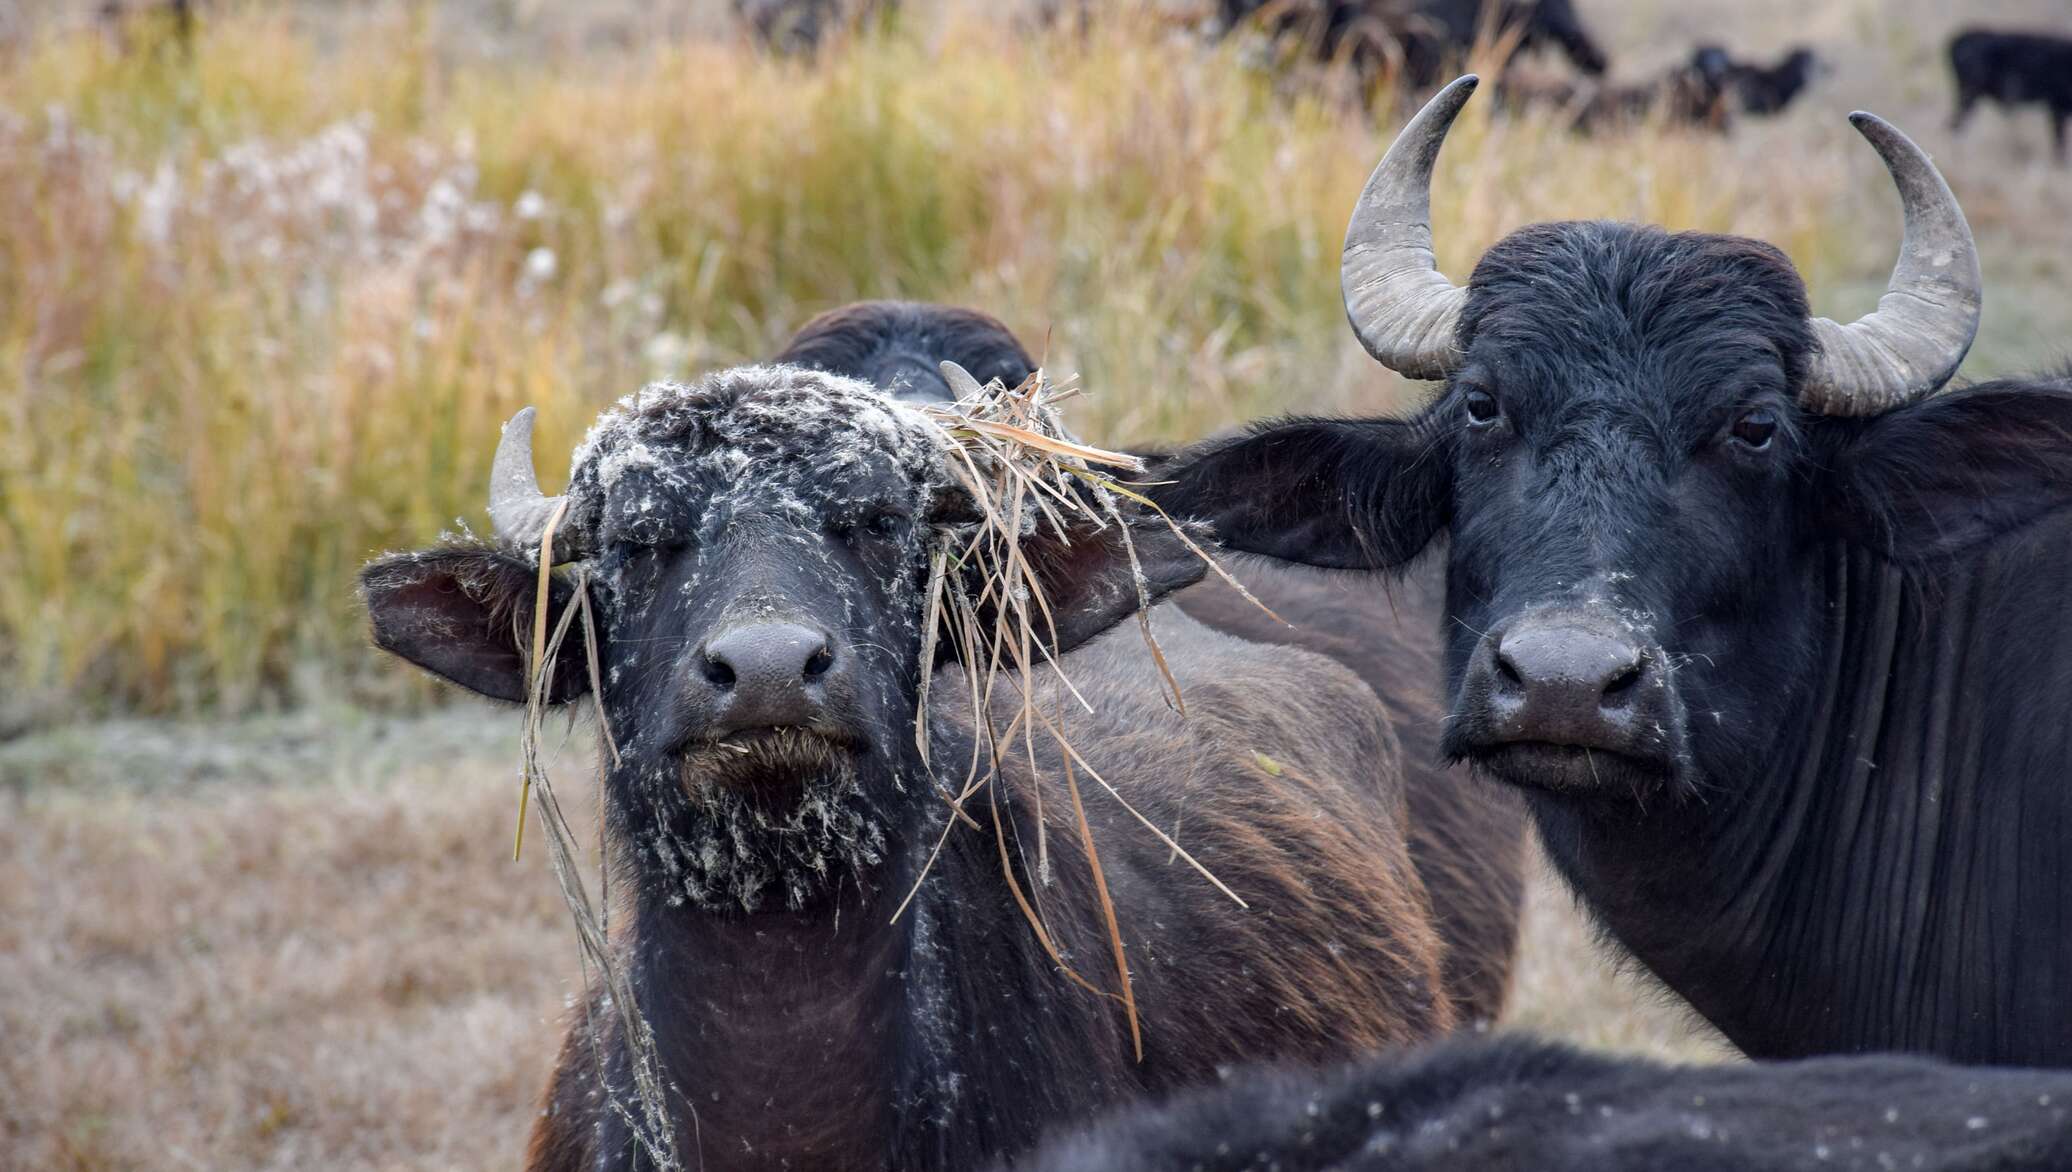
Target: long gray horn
x: 1402, y: 308
x: 1913, y: 342
x: 518, y: 510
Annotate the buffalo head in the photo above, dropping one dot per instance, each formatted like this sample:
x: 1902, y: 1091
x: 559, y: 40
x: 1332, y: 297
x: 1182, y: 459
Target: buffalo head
x: 1642, y: 442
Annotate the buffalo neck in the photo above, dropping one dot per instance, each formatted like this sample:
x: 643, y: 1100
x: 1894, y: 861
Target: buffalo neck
x: 837, y: 1036
x: 1893, y: 881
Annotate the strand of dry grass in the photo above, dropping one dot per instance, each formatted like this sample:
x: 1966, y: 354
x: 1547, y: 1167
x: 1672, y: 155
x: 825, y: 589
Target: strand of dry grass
x: 1010, y: 450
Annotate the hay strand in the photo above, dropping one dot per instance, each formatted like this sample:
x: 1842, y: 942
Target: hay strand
x: 1010, y: 451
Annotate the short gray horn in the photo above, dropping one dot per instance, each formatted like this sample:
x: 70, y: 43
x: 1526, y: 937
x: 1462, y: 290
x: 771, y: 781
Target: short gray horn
x: 518, y: 510
x: 1914, y: 341
x: 1403, y: 309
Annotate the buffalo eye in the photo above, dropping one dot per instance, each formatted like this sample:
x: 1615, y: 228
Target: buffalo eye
x: 1481, y: 406
x: 877, y: 525
x: 884, y: 524
x: 1755, y: 427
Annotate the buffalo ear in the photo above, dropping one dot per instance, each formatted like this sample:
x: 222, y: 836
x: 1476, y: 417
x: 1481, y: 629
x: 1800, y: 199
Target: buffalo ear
x: 463, y: 614
x: 1936, y: 477
x: 1365, y: 494
x: 1088, y: 581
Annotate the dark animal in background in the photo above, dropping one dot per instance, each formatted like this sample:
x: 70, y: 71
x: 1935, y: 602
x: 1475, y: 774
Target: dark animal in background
x: 1539, y: 25
x: 1770, y: 634
x: 757, y: 546
x: 798, y: 28
x: 1467, y: 838
x: 900, y: 346
x: 1693, y: 95
x: 1514, y: 1105
x: 1760, y: 89
x: 1705, y: 91
x: 1417, y: 42
x: 164, y: 22
x: 2014, y: 69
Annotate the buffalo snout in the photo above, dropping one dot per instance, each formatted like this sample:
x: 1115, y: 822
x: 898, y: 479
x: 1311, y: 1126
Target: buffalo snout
x: 769, y: 675
x: 1550, y: 688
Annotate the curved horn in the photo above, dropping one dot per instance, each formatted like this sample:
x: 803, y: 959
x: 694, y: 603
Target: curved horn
x: 1401, y: 307
x: 1913, y: 342
x: 518, y: 510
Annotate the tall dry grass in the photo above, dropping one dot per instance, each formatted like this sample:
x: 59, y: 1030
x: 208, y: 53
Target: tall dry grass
x: 264, y: 301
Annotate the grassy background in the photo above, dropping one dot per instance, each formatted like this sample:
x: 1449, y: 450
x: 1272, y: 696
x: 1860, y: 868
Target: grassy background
x: 263, y: 304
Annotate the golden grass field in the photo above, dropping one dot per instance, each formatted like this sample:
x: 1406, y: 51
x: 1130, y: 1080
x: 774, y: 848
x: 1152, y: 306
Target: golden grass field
x: 264, y: 303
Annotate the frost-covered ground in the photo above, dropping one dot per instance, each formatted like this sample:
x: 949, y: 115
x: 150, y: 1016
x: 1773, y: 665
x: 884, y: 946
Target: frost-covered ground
x: 300, y: 941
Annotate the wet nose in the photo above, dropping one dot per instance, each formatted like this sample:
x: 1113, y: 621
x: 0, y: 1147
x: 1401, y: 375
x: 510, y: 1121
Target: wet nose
x: 1568, y: 666
x: 768, y: 675
x: 1573, y: 682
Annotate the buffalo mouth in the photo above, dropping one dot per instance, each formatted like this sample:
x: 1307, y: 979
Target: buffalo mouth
x: 763, y: 757
x: 1571, y: 769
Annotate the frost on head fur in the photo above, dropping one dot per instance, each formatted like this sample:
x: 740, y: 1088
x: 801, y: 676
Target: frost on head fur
x: 791, y: 449
x: 754, y: 424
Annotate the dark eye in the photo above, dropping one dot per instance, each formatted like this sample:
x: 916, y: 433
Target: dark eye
x: 1755, y: 427
x: 1481, y: 406
x: 882, y: 524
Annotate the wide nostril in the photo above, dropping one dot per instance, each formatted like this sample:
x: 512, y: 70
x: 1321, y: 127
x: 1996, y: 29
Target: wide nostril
x: 767, y: 658
x: 1508, y: 671
x: 818, y: 662
x: 1623, y: 679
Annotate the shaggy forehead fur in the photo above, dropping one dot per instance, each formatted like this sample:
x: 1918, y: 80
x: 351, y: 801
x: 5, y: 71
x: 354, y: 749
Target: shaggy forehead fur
x: 1660, y: 324
x: 800, y: 439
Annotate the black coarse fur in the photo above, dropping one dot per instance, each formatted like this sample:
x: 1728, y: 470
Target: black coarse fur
x: 899, y: 346
x: 1518, y: 1105
x: 1467, y: 838
x: 1845, y: 833
x: 2014, y: 69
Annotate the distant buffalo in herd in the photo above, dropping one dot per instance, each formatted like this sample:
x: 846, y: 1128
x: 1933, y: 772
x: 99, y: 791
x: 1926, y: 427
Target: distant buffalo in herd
x: 2014, y: 69
x: 1415, y: 42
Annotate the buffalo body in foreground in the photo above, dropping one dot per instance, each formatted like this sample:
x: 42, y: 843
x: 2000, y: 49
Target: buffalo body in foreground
x: 1517, y: 1105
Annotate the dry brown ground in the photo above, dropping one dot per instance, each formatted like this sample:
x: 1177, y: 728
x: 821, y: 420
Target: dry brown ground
x: 325, y: 958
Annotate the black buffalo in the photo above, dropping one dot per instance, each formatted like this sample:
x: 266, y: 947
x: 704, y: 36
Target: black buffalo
x: 1771, y: 634
x: 1693, y: 94
x: 1760, y: 89
x: 757, y: 549
x: 1466, y: 840
x: 1705, y: 91
x: 800, y: 27
x: 2014, y: 69
x: 1417, y: 42
x: 1537, y: 24
x: 1521, y: 1106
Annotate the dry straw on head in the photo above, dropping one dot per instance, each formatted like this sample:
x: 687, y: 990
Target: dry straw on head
x: 1011, y: 452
